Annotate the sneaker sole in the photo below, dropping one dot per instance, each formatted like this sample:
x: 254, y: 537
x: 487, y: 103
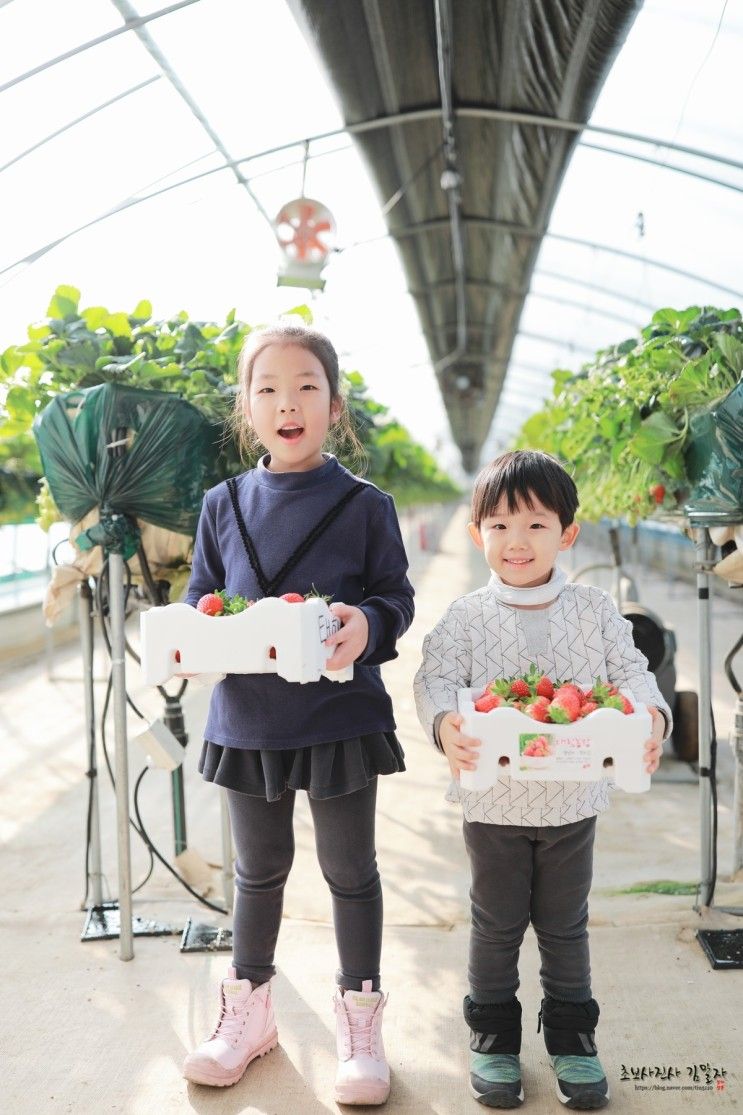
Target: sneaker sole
x: 198, y: 1076
x: 591, y: 1101
x: 358, y: 1095
x: 490, y: 1099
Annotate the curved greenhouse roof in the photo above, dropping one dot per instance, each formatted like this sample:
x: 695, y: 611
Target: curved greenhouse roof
x: 146, y: 148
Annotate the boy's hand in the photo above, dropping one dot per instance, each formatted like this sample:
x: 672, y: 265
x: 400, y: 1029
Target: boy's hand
x: 460, y: 750
x: 350, y: 642
x: 654, y: 745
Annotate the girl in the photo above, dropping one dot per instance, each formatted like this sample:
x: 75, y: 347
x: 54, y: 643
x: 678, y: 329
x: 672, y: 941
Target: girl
x: 300, y: 519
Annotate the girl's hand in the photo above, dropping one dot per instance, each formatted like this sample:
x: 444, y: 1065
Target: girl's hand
x: 654, y: 745
x: 460, y: 750
x: 351, y: 640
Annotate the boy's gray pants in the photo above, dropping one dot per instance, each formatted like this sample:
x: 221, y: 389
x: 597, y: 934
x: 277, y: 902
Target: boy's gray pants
x: 538, y: 875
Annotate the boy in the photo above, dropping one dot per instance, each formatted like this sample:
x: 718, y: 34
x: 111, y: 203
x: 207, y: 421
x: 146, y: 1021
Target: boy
x: 529, y: 843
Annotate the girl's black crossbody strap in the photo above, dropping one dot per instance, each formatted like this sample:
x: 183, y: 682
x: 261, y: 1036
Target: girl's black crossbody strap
x: 267, y: 587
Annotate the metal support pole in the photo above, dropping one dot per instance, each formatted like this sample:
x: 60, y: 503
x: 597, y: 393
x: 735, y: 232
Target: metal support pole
x: 173, y: 719
x: 118, y: 673
x: 704, y: 547
x: 736, y: 742
x: 86, y: 643
x: 228, y: 877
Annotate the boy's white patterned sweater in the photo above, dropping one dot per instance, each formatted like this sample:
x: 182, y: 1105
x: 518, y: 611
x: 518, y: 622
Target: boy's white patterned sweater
x: 480, y: 638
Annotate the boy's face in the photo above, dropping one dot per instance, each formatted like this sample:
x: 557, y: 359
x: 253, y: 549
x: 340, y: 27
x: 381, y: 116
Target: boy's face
x: 521, y: 546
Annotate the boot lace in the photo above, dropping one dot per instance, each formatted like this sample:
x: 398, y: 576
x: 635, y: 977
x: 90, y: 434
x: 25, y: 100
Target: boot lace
x: 361, y: 1031
x: 231, y: 1023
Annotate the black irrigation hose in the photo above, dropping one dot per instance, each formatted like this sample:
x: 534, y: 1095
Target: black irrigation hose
x: 153, y: 851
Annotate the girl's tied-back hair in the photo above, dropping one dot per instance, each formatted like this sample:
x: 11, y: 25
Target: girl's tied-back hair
x: 342, y: 438
x: 519, y: 475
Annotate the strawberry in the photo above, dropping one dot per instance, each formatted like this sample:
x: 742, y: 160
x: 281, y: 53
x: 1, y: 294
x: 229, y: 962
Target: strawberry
x: 537, y: 711
x: 620, y: 703
x: 292, y: 598
x: 520, y: 688
x: 487, y: 702
x: 211, y: 605
x: 571, y: 688
x: 564, y: 707
x: 587, y: 708
x: 545, y: 688
x: 657, y: 492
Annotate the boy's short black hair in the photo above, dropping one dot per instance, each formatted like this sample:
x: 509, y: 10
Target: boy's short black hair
x: 519, y: 474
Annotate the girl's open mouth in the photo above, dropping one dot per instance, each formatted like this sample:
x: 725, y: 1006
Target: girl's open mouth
x: 291, y: 433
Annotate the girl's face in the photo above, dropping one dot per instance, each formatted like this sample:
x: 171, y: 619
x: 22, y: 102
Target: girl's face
x: 521, y: 546
x: 289, y: 406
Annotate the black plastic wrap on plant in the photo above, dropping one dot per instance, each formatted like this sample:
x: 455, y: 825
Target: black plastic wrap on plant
x: 141, y: 454
x: 714, y: 458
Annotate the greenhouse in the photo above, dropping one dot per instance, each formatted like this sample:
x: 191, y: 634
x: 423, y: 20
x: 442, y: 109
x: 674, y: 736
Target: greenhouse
x: 371, y: 387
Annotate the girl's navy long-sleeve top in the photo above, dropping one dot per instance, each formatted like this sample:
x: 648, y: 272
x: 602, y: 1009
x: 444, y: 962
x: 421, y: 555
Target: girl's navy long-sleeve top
x: 360, y: 559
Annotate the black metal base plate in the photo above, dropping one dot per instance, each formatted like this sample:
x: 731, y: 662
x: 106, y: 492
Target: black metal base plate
x: 205, y: 938
x: 724, y: 947
x: 103, y: 923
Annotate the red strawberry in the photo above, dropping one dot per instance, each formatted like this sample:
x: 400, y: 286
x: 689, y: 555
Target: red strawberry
x: 564, y: 707
x: 537, y: 711
x: 292, y: 598
x: 587, y: 708
x: 570, y: 687
x: 657, y: 492
x: 211, y: 605
x: 488, y: 702
x: 545, y: 688
x: 520, y: 688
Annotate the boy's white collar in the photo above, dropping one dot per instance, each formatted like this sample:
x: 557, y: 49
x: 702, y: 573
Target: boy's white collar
x: 539, y: 594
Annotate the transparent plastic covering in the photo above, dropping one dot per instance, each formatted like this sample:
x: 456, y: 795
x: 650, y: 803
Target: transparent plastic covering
x: 115, y: 169
x: 140, y: 454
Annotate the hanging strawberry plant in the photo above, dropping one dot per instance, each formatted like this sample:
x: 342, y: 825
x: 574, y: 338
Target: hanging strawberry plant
x: 623, y: 423
x: 196, y: 360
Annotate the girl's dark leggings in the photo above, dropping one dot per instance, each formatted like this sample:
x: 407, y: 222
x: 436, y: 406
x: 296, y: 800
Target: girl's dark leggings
x: 263, y: 832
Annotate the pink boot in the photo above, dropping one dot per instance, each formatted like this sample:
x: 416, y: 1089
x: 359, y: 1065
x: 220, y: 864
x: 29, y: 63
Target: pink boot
x: 246, y: 1030
x: 363, y: 1075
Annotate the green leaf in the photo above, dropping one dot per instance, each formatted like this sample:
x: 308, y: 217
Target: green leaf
x: 38, y: 332
x: 118, y: 325
x: 65, y: 301
x: 652, y: 437
x: 11, y: 360
x: 95, y: 317
x: 142, y: 311
x: 302, y: 311
x: 732, y: 349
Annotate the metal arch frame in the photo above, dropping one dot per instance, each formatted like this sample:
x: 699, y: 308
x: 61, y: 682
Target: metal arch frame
x: 130, y: 25
x: 79, y: 120
x: 130, y: 17
x: 526, y: 292
x: 510, y: 227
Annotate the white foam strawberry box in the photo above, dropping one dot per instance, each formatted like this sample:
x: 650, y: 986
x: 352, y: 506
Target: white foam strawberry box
x: 605, y: 744
x: 178, y: 639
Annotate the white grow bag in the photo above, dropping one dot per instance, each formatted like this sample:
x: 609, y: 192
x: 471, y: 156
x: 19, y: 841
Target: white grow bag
x: 242, y: 643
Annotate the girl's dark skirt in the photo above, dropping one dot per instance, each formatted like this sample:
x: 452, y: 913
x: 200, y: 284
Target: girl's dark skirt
x: 324, y: 770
